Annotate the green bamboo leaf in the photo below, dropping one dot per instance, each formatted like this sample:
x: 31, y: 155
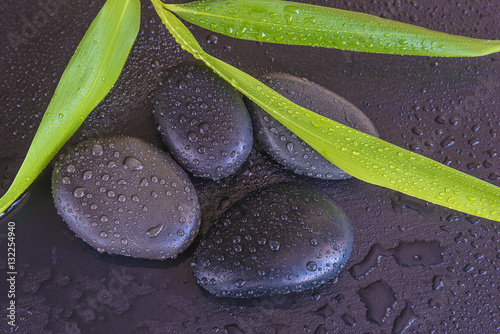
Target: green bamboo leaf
x: 89, y: 76
x: 363, y: 156
x: 294, y: 23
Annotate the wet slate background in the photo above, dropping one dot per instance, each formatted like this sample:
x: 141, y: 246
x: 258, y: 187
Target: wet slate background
x: 413, y: 264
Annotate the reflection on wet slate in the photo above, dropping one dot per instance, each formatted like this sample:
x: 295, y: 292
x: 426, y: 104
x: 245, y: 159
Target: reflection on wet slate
x: 379, y: 299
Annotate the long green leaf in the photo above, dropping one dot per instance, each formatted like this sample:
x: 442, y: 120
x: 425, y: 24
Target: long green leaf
x: 288, y: 22
x: 89, y: 76
x: 363, y: 156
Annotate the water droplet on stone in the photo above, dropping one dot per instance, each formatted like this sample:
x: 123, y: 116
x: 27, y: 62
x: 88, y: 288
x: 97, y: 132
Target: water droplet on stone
x: 97, y: 150
x: 274, y: 245
x: 311, y: 266
x: 154, y: 231
x: 192, y: 137
x: 204, y: 128
x: 132, y: 164
x: 181, y: 84
x: 79, y: 192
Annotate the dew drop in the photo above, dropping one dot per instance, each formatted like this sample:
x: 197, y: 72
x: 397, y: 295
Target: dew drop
x: 154, y: 231
x: 212, y: 39
x: 132, y: 164
x: 71, y: 168
x: 192, y: 137
x: 239, y: 283
x: 204, y: 128
x: 79, y: 192
x: 311, y: 266
x: 274, y: 245
x: 97, y: 150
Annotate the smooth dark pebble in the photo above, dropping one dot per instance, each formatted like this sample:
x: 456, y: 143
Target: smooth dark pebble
x: 284, y: 146
x: 203, y: 121
x: 284, y: 238
x: 125, y: 196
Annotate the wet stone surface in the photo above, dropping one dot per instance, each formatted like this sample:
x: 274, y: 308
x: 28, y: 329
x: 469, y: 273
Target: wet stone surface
x: 284, y: 146
x: 284, y: 238
x: 203, y: 121
x: 125, y: 196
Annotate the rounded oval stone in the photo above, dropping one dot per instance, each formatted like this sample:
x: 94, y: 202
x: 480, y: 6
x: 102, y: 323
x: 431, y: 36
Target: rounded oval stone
x: 284, y: 238
x: 203, y: 121
x: 125, y: 196
x: 284, y: 146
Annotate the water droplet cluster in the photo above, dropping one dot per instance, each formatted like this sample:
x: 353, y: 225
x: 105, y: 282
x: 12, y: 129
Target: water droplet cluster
x: 281, y: 239
x: 125, y: 196
x: 203, y: 121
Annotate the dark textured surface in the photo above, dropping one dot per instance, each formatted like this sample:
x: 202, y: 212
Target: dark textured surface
x: 446, y: 109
